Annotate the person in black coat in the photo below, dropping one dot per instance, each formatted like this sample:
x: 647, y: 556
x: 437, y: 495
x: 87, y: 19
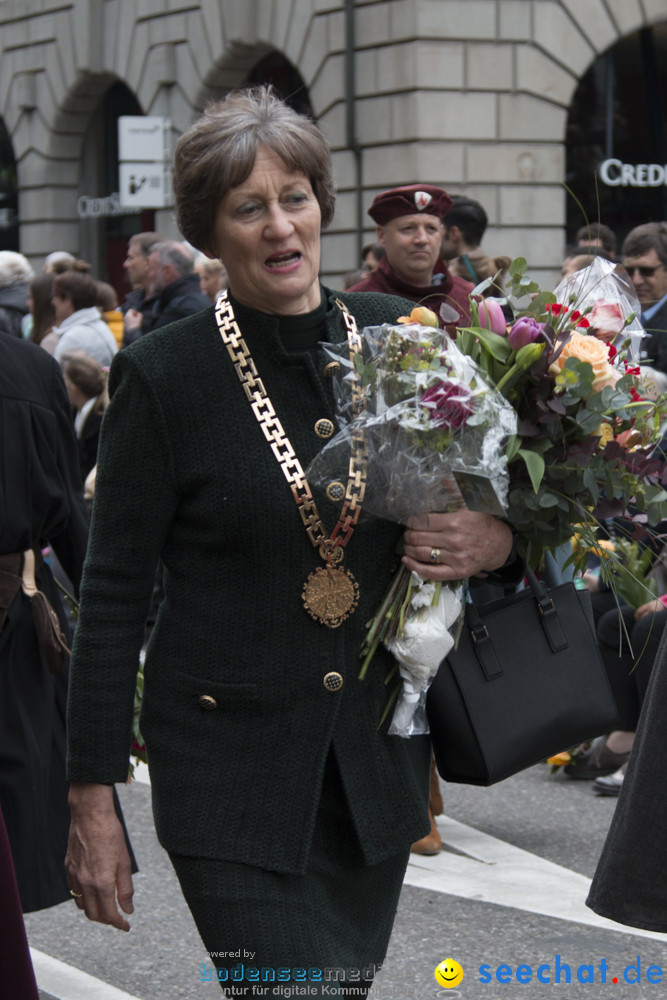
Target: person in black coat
x: 175, y: 291
x: 41, y: 502
x: 630, y: 884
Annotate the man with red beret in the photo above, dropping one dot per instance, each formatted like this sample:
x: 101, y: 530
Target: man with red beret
x: 410, y: 228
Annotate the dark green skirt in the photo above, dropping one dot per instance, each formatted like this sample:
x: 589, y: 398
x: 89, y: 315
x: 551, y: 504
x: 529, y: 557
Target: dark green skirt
x: 325, y: 931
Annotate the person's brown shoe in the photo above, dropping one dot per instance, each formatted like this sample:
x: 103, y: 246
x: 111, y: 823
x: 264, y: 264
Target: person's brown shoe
x: 431, y: 843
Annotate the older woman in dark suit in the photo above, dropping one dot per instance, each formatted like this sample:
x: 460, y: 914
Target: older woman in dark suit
x: 287, y: 813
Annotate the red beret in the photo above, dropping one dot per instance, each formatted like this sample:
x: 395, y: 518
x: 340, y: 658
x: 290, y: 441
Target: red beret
x: 409, y: 200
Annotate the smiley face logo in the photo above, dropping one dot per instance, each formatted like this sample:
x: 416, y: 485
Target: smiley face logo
x: 449, y: 973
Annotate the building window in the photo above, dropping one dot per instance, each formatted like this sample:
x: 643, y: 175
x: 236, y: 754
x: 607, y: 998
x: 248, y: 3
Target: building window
x: 9, y: 221
x: 616, y: 134
x: 286, y: 79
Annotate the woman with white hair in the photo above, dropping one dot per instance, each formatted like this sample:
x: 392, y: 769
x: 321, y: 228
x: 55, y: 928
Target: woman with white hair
x: 15, y: 275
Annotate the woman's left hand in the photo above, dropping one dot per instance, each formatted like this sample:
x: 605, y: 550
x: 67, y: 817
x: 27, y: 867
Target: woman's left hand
x: 457, y: 545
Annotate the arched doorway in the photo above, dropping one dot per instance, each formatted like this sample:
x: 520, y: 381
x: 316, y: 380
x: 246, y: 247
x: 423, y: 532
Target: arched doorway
x: 274, y: 68
x: 105, y: 228
x: 9, y: 219
x: 617, y: 134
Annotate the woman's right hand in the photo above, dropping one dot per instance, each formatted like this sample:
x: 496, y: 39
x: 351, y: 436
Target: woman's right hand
x: 98, y: 863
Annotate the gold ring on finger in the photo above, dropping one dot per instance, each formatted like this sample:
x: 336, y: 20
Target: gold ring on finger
x: 434, y: 556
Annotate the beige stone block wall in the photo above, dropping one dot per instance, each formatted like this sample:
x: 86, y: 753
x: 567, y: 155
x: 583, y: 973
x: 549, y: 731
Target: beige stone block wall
x: 471, y: 94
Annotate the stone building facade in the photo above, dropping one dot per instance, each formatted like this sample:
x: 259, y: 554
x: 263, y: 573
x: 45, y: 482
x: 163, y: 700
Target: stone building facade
x: 476, y: 95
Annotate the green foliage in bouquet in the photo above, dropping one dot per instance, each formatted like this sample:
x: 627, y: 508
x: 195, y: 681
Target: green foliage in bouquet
x: 631, y: 566
x: 584, y: 448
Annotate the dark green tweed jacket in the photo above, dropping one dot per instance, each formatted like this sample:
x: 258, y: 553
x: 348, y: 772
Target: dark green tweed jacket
x: 186, y: 474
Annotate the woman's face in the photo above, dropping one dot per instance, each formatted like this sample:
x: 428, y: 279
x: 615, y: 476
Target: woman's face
x: 209, y: 282
x: 267, y: 234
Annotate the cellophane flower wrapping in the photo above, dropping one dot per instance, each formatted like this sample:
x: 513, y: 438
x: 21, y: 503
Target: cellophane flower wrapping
x: 606, y: 296
x: 435, y: 433
x: 419, y: 647
x: 433, y: 428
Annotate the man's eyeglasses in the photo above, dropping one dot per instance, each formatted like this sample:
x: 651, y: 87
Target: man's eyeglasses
x: 646, y: 272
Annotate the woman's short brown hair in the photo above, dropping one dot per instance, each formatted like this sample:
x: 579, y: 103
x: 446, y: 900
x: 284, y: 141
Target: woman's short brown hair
x: 217, y: 152
x: 80, y: 288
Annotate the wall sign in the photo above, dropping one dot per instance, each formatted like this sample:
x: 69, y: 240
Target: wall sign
x: 90, y: 207
x: 615, y: 173
x: 144, y: 161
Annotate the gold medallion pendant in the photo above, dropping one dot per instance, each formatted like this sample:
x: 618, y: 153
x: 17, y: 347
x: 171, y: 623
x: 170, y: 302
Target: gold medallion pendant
x: 330, y: 595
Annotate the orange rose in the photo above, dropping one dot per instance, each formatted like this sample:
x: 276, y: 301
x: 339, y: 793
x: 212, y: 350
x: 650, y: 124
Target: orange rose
x: 587, y: 348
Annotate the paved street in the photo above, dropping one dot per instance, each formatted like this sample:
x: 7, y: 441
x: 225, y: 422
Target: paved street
x: 508, y: 890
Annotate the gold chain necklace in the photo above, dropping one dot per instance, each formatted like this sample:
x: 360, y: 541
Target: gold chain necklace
x: 331, y: 593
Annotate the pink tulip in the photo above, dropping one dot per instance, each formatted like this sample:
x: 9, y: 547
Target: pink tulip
x: 492, y: 317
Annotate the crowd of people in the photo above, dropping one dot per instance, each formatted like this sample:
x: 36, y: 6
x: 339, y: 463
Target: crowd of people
x: 187, y: 453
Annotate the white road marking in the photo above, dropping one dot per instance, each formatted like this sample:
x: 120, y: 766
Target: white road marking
x: 487, y: 870
x: 64, y: 982
x: 494, y: 871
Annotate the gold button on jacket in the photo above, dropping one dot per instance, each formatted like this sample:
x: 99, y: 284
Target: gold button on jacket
x: 324, y: 428
x: 207, y: 702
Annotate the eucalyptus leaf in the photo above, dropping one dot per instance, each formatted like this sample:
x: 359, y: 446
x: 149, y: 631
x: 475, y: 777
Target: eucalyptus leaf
x: 547, y: 499
x: 513, y: 447
x: 535, y: 466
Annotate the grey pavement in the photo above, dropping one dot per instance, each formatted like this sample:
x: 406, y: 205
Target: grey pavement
x: 534, y: 838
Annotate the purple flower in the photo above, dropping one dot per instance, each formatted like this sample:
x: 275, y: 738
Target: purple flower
x: 449, y: 405
x: 525, y: 331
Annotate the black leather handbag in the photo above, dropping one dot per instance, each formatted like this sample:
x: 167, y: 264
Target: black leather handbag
x: 525, y: 681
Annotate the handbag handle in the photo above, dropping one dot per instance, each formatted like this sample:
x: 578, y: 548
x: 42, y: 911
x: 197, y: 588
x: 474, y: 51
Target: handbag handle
x: 549, y: 620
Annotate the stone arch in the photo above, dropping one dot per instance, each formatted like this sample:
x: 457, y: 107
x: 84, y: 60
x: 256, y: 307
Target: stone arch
x: 51, y: 141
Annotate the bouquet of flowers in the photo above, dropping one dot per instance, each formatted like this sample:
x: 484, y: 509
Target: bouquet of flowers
x: 585, y: 444
x: 435, y: 432
x: 551, y: 400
